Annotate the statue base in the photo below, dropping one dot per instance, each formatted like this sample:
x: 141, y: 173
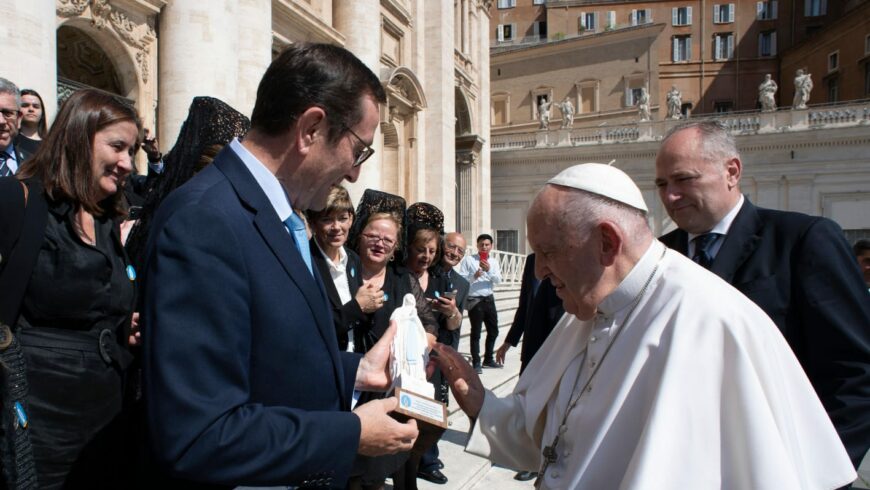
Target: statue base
x: 422, y: 408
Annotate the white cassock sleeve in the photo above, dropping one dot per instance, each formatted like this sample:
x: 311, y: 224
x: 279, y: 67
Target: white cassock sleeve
x: 500, y: 433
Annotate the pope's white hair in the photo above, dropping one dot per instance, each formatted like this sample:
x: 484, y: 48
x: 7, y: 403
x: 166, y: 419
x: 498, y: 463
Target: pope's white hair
x: 582, y: 211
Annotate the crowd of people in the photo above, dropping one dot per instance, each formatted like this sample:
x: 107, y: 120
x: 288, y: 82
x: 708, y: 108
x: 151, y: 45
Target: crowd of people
x: 225, y: 319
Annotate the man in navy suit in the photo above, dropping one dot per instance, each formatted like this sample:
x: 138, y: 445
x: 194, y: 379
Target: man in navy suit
x: 797, y: 268
x: 243, y: 380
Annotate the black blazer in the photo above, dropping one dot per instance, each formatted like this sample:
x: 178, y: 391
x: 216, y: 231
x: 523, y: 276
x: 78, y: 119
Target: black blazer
x: 344, y: 316
x: 800, y: 270
x: 537, y: 314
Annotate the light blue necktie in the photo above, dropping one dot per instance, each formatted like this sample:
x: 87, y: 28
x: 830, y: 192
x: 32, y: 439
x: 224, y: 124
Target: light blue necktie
x: 297, y: 229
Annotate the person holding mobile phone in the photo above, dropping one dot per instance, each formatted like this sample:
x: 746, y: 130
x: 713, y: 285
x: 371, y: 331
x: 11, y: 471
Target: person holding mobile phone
x: 482, y: 273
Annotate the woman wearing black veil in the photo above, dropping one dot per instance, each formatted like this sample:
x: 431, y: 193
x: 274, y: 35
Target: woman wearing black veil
x: 211, y: 124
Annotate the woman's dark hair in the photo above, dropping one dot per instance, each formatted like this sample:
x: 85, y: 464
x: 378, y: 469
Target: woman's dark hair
x: 319, y: 75
x: 41, y: 126
x: 63, y: 161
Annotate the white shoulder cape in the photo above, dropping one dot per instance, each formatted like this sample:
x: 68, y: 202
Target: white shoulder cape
x: 700, y: 391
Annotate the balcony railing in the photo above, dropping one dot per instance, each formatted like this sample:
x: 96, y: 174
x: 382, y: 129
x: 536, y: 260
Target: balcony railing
x: 844, y: 114
x: 511, y: 265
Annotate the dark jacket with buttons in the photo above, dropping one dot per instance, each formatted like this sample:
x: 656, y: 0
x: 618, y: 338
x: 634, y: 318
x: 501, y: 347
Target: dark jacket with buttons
x: 800, y: 270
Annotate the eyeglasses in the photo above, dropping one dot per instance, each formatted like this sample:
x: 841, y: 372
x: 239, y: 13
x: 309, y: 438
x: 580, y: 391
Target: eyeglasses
x: 9, y: 113
x: 455, y: 249
x: 364, y: 154
x: 373, y: 239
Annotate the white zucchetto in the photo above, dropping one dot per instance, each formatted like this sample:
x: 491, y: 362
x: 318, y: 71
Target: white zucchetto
x: 603, y: 180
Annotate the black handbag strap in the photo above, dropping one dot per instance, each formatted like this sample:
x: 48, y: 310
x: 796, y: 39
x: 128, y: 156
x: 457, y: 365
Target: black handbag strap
x: 18, y: 266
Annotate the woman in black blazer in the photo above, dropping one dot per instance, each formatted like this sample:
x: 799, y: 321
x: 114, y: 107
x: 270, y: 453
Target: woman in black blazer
x: 339, y: 267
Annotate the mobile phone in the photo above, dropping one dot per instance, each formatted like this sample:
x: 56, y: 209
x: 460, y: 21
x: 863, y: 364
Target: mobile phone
x: 450, y: 294
x: 484, y: 256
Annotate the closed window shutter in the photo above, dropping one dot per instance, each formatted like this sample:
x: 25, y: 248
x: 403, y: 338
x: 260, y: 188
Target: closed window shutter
x: 689, y: 15
x: 808, y: 5
x: 595, y: 16
x: 513, y: 3
x: 500, y: 32
x: 688, y: 48
x: 611, y: 18
x: 627, y: 95
x: 717, y: 47
x: 730, y: 12
x: 773, y: 14
x: 715, y: 13
x: 675, y: 19
x: 676, y: 49
x: 773, y: 43
x: 730, y: 53
x: 634, y: 17
x: 583, y: 20
x: 759, y: 10
x: 647, y: 18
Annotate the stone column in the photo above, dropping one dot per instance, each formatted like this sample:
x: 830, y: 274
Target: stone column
x: 360, y: 23
x: 29, y: 48
x: 437, y: 177
x: 199, y: 55
x: 254, y: 50
x: 483, y: 212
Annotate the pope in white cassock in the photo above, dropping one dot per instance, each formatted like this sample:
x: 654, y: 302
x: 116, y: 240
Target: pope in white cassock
x: 659, y: 376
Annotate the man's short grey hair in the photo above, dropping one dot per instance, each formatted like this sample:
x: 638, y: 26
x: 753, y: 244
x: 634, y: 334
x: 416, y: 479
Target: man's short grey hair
x: 583, y: 210
x: 717, y: 144
x: 7, y: 87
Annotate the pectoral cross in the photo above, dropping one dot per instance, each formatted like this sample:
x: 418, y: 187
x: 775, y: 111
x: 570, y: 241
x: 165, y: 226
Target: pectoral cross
x: 550, y: 457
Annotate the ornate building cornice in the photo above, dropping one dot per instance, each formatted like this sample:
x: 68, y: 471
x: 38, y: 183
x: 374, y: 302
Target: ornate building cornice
x: 139, y: 36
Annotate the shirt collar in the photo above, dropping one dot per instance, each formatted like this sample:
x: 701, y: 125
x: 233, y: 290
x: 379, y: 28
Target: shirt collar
x: 268, y: 182
x: 342, y: 258
x: 724, y: 225
x: 633, y: 283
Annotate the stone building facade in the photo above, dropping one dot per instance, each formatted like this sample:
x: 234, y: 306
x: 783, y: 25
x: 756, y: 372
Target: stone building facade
x: 432, y: 57
x: 715, y: 52
x: 814, y: 161
x: 838, y: 57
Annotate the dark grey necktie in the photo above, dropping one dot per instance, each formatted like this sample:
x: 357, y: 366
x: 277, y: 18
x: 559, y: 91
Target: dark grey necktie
x: 4, y: 167
x: 703, y: 246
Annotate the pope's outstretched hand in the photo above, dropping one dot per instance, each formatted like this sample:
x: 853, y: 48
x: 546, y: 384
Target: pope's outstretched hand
x: 464, y: 382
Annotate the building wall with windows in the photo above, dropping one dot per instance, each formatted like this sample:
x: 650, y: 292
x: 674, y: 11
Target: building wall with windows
x: 838, y: 57
x: 431, y: 56
x: 715, y: 52
x: 810, y: 161
x: 518, y: 21
x: 624, y: 61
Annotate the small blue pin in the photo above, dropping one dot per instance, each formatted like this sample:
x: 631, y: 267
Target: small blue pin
x: 437, y: 294
x: 386, y: 297
x: 131, y: 273
x: 22, y: 417
x: 352, y: 272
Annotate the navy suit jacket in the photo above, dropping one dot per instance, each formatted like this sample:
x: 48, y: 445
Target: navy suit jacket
x: 800, y: 270
x: 243, y: 380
